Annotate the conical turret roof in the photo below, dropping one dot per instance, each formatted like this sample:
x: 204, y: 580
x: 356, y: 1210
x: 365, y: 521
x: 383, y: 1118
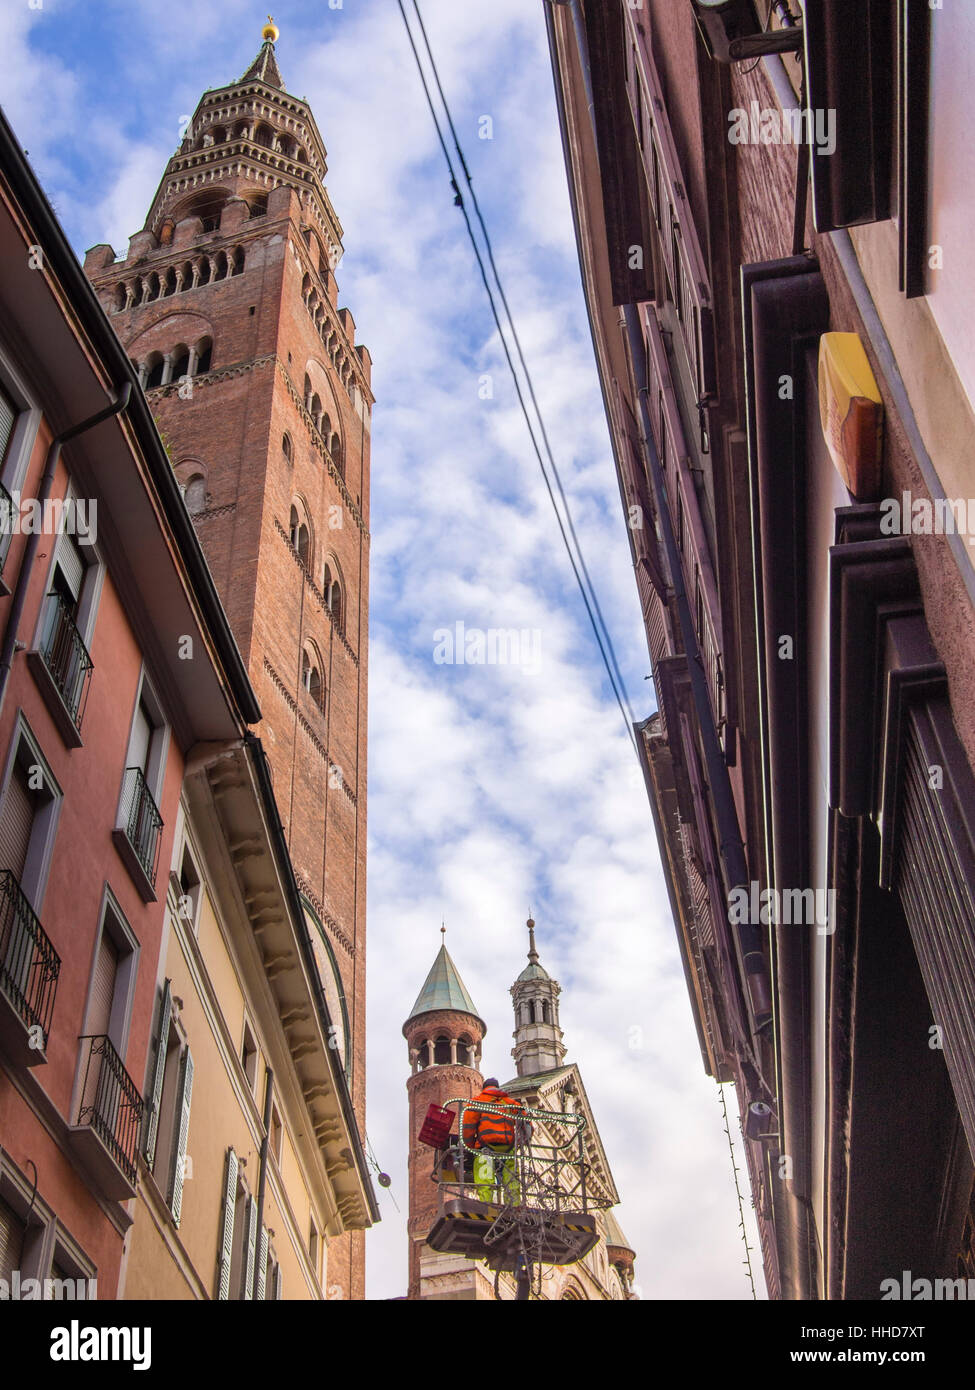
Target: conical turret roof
x: 443, y: 989
x: 265, y: 67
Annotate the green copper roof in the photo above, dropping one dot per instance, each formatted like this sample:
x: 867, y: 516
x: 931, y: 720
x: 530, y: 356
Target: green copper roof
x: 443, y: 989
x: 614, y: 1233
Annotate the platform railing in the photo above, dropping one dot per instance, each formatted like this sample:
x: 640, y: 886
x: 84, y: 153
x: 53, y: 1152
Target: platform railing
x: 549, y: 1173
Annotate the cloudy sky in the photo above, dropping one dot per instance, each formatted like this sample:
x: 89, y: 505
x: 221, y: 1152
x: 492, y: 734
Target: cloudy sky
x: 491, y: 787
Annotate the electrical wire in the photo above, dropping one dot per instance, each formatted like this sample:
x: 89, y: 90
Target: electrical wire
x: 603, y: 640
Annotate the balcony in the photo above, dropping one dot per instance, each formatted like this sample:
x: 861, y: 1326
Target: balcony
x: 6, y: 531
x: 106, y: 1137
x: 138, y: 836
x: 62, y: 669
x: 29, y: 970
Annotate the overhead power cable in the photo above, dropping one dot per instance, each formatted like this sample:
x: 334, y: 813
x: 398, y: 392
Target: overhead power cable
x: 579, y: 568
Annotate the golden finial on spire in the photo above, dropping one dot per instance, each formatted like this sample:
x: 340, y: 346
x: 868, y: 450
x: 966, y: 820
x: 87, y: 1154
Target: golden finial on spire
x: 270, y: 30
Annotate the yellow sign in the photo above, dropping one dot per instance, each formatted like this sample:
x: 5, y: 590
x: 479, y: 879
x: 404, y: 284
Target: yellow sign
x: 852, y: 413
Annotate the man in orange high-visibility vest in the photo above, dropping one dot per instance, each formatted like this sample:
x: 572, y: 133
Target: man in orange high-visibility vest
x: 492, y: 1137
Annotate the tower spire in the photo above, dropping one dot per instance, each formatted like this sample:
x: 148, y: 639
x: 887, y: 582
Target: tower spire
x: 535, y: 995
x: 265, y: 66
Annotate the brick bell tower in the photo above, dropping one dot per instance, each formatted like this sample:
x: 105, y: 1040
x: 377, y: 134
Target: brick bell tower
x: 227, y: 303
x: 444, y: 1034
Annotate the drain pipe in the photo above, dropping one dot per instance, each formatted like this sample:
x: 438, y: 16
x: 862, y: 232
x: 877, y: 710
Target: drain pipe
x: 34, y: 539
x: 731, y: 846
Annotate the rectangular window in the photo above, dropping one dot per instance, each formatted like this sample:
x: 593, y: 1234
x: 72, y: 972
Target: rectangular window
x: 189, y: 888
x: 248, y: 1056
x: 138, y: 835
x: 28, y: 818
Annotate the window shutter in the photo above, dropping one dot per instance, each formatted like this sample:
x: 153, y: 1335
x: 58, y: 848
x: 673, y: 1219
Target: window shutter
x: 227, y: 1236
x: 141, y: 738
x: 8, y: 415
x: 277, y: 1282
x: 159, y: 1073
x: 183, y: 1096
x: 16, y: 822
x: 103, y: 986
x: 251, y: 1248
x: 11, y: 1241
x: 71, y: 563
x: 261, y: 1282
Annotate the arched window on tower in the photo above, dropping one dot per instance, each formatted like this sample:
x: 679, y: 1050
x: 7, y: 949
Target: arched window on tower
x: 315, y: 410
x: 257, y: 202
x: 204, y: 355
x: 118, y: 299
x: 237, y: 261
x: 465, y: 1050
x: 195, y: 494
x: 299, y: 536
x: 181, y: 363
x: 307, y: 392
x: 546, y: 1011
x: 441, y: 1051
x: 264, y: 135
x: 423, y: 1057
x: 154, y: 370
x: 220, y: 272
x: 311, y: 678
x: 287, y: 448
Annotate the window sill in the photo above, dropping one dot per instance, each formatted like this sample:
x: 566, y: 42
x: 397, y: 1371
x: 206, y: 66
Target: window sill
x: 57, y: 709
x: 131, y: 861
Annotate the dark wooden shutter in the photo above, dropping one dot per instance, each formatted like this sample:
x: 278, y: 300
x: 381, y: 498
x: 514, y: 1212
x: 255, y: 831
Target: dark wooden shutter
x: 183, y: 1096
x: 227, y: 1226
x: 260, y: 1286
x: 8, y: 415
x: 103, y: 986
x: 278, y: 1293
x: 11, y: 1240
x: 16, y: 821
x: 159, y: 1073
x: 251, y: 1252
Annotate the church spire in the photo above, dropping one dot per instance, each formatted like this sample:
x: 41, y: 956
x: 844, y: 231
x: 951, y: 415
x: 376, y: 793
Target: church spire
x: 538, y: 1038
x: 265, y: 66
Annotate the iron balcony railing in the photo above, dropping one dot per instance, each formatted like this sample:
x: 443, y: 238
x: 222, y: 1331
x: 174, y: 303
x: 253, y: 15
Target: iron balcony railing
x: 110, y: 1101
x: 29, y: 964
x: 142, y: 821
x: 66, y: 657
x: 6, y: 524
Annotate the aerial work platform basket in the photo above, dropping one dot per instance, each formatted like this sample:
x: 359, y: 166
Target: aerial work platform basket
x: 535, y: 1208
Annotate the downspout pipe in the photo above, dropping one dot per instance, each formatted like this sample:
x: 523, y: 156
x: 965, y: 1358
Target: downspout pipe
x: 731, y: 846
x: 34, y: 539
x: 582, y: 42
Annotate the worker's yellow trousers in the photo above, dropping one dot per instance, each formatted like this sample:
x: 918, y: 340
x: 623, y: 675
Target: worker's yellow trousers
x: 487, y: 1176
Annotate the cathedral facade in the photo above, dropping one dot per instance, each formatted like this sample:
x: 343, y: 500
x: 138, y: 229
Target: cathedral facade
x: 445, y: 1034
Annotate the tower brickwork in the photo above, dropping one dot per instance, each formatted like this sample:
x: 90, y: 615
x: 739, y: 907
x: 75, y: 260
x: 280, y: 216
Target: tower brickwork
x: 444, y: 1036
x: 227, y: 302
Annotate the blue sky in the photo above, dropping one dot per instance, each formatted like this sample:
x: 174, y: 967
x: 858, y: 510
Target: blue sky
x: 490, y: 787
